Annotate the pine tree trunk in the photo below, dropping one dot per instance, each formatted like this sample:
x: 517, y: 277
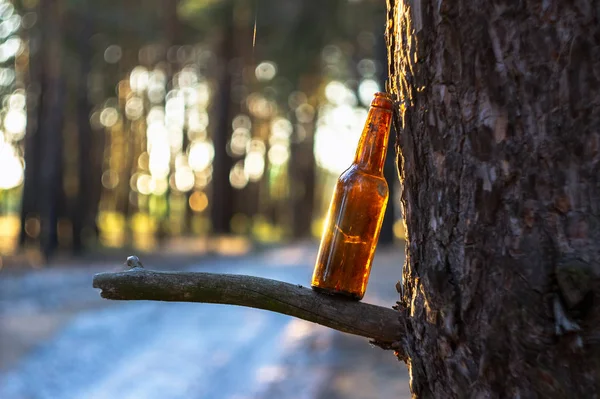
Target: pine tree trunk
x: 223, y: 195
x: 302, y: 170
x: 499, y: 155
x: 90, y: 163
x: 50, y: 126
x: 30, y: 199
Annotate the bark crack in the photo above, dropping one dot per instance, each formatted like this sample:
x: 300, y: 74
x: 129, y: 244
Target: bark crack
x: 391, y: 46
x: 454, y: 231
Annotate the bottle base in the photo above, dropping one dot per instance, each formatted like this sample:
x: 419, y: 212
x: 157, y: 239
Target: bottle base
x: 342, y: 294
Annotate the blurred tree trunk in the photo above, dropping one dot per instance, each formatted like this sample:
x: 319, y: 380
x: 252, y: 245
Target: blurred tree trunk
x: 50, y: 125
x: 130, y: 45
x: 175, y: 35
x: 222, y: 201
x: 172, y: 39
x: 29, y: 200
x: 90, y: 154
x: 499, y: 156
x: 302, y: 168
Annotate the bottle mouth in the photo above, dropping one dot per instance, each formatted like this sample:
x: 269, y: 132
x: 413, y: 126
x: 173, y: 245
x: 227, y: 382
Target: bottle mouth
x: 382, y: 100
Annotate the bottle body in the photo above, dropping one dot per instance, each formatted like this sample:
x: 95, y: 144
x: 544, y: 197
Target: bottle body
x: 356, y: 211
x: 350, y: 234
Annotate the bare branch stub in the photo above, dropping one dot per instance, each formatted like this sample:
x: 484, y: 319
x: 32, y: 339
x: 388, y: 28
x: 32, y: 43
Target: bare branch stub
x: 376, y: 322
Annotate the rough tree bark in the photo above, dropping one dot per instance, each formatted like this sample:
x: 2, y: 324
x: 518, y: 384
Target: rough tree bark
x: 499, y: 139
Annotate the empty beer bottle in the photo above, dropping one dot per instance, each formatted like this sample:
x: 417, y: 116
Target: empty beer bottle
x: 356, y: 211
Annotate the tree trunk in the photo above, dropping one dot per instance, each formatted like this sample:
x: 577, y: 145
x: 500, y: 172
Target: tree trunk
x: 29, y: 198
x: 50, y: 126
x: 302, y: 170
x: 499, y: 156
x: 222, y: 201
x: 90, y: 162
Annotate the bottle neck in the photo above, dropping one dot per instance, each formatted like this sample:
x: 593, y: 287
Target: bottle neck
x: 372, y: 147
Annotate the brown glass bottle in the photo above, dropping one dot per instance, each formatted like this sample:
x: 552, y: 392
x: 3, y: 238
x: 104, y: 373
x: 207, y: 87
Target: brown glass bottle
x: 356, y: 211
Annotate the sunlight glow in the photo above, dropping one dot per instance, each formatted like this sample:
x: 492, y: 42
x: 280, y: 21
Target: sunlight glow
x: 156, y: 86
x: 138, y: 79
x: 254, y: 165
x: 339, y: 126
x: 11, y: 166
x: 201, y: 154
x: 175, y: 138
x: 184, y: 179
x: 14, y: 123
x: 366, y: 89
x: 156, y: 114
x: 10, y: 26
x: 10, y: 48
x: 6, y: 10
x: 337, y: 93
x: 278, y: 154
x: 160, y: 156
x: 174, y: 109
x: 17, y: 100
x: 160, y: 186
x: 144, y: 184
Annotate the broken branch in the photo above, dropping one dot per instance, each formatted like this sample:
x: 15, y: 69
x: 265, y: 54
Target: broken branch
x: 371, y: 321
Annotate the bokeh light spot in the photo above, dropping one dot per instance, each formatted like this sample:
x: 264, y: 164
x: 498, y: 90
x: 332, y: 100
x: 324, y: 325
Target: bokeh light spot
x: 278, y: 154
x: 266, y: 71
x: 366, y: 89
x: 113, y: 54
x: 109, y: 116
x: 11, y: 167
x: 201, y: 154
x: 254, y: 165
x: 184, y: 179
x: 237, y: 176
x: 198, y: 201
